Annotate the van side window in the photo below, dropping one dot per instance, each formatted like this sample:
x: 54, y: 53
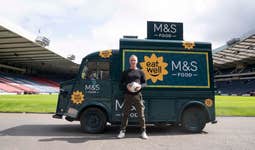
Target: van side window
x: 103, y: 70
x: 96, y: 71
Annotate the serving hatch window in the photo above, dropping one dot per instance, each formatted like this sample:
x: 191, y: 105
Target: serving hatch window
x: 96, y: 71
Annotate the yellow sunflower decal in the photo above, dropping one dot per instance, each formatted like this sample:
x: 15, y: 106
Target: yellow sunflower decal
x: 77, y: 97
x: 208, y: 102
x: 105, y: 54
x: 188, y: 45
x: 154, y: 68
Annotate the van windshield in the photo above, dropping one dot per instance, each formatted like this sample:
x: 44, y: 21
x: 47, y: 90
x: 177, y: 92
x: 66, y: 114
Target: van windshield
x: 96, y: 70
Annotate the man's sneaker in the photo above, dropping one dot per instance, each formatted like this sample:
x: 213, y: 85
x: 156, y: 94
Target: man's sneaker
x: 121, y: 134
x: 144, y: 135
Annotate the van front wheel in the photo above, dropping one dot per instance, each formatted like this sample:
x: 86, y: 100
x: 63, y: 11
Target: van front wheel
x: 194, y: 119
x: 93, y: 120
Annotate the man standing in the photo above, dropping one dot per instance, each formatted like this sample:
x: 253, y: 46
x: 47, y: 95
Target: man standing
x: 131, y: 76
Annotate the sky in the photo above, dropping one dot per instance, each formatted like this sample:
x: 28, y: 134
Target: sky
x: 81, y: 27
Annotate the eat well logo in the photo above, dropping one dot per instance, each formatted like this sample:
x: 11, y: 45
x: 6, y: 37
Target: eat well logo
x: 154, y: 68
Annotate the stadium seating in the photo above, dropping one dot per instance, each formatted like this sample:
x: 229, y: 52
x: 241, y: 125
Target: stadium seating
x: 14, y: 84
x: 238, y: 87
x: 10, y: 89
x: 22, y: 84
x: 237, y: 81
x: 2, y: 91
x: 46, y: 81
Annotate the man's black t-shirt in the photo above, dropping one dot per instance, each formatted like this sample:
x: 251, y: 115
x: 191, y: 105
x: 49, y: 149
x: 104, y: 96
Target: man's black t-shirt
x: 132, y: 75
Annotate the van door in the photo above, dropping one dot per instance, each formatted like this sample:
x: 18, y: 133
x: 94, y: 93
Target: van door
x: 97, y: 83
x: 92, y: 86
x: 97, y: 93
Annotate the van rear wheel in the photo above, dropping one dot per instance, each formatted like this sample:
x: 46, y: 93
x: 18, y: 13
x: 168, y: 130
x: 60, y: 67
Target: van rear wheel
x: 194, y: 119
x: 93, y: 120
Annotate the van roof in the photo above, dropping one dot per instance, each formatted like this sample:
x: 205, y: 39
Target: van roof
x: 98, y: 54
x: 162, y: 44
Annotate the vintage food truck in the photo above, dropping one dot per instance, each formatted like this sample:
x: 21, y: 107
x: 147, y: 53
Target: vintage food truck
x: 180, y: 86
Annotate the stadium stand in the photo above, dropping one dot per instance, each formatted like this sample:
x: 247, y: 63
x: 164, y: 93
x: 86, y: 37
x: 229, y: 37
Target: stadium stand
x: 234, y: 66
x: 28, y: 67
x: 15, y: 85
x: 236, y: 87
x: 46, y: 81
x: 27, y: 85
x: 9, y: 89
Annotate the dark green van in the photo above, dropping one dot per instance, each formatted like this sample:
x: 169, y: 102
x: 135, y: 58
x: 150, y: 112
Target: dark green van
x: 180, y: 87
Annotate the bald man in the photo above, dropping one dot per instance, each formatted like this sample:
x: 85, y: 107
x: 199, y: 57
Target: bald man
x: 133, y: 74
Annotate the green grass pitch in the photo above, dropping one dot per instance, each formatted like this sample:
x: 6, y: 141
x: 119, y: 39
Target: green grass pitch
x: 28, y: 103
x: 235, y: 105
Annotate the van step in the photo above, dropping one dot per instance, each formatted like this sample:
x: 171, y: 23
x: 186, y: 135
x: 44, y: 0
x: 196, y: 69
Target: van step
x: 69, y: 119
x: 56, y: 116
x: 215, y: 121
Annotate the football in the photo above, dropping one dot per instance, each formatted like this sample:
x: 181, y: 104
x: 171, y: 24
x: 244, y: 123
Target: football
x: 133, y: 86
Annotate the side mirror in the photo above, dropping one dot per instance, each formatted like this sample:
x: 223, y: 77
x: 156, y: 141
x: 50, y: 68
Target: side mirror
x: 63, y: 92
x: 83, y: 74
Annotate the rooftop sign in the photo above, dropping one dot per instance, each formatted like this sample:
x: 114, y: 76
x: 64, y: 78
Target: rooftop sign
x: 164, y: 30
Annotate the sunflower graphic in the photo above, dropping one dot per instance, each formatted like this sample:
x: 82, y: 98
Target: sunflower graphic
x: 188, y: 45
x: 154, y: 68
x: 77, y: 97
x: 105, y: 54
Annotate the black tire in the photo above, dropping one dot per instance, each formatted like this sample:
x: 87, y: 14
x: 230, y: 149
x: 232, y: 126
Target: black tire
x: 194, y: 119
x: 93, y: 120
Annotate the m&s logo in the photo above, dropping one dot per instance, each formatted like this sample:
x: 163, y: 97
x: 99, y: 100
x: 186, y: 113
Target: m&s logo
x: 154, y: 68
